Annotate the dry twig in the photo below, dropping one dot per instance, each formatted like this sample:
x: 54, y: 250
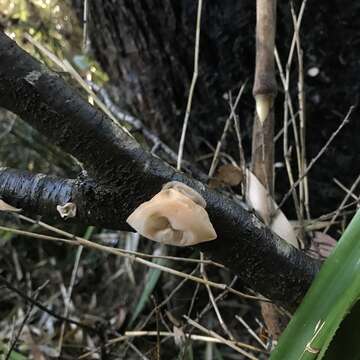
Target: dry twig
x: 192, y: 86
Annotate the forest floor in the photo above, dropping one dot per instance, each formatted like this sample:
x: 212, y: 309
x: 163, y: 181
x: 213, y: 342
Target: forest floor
x: 120, y: 309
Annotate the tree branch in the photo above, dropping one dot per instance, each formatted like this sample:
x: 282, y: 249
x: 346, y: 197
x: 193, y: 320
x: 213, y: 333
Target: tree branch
x: 40, y: 194
x: 264, y: 262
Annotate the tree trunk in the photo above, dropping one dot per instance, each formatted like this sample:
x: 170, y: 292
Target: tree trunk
x: 147, y: 49
x: 147, y: 46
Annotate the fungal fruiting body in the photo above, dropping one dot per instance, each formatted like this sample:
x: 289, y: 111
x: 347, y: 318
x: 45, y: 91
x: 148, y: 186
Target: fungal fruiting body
x: 174, y: 216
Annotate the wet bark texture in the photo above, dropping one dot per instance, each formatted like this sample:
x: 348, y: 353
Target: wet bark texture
x: 131, y: 176
x: 146, y: 48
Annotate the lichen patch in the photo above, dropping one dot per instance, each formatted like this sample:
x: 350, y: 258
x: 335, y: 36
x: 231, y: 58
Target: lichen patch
x: 32, y: 77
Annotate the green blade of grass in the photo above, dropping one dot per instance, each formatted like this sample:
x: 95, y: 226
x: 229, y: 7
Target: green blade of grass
x: 334, y: 291
x: 152, y: 278
x: 345, y: 344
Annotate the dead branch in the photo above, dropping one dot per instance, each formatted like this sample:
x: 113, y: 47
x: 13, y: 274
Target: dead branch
x: 117, y: 162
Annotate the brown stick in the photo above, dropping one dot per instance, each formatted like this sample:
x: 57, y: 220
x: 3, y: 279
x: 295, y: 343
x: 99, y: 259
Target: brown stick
x: 263, y: 154
x: 265, y: 88
x: 264, y: 92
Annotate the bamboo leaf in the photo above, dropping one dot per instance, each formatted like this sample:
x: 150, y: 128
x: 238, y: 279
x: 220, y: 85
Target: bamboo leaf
x: 334, y: 291
x: 346, y: 344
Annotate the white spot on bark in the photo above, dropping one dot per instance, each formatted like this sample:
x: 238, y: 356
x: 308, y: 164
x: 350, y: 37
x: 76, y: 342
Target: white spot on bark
x: 147, y: 165
x: 67, y: 211
x: 257, y: 223
x: 39, y: 176
x: 32, y: 77
x: 282, y: 247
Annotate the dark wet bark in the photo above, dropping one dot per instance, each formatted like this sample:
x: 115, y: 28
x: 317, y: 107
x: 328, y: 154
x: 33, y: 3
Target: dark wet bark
x: 131, y: 176
x: 40, y: 194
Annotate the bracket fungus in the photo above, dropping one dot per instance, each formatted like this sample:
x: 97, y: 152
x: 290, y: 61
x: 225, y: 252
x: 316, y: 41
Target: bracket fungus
x: 67, y: 211
x: 174, y: 216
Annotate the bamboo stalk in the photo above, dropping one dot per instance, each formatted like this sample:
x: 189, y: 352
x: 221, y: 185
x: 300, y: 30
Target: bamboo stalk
x: 265, y: 88
x: 264, y: 91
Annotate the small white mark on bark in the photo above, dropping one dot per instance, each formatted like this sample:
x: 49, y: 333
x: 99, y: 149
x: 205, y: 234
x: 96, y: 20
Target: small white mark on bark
x: 32, y: 77
x: 67, y: 211
x: 147, y: 165
x: 257, y: 223
x: 39, y: 176
x: 282, y: 247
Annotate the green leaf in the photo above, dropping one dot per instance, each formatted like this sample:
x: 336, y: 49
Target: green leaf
x: 331, y: 296
x: 345, y: 344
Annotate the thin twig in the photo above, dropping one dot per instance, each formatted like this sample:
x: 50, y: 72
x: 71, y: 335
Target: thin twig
x: 340, y: 208
x: 250, y: 331
x: 144, y: 323
x: 220, y: 338
x: 225, y: 130
x: 44, y: 308
x: 144, y: 255
x: 151, y: 333
x: 287, y: 103
x: 166, y: 300
x: 343, y: 187
x: 242, y: 161
x: 304, y: 186
x: 89, y: 244
x: 192, y: 86
x: 193, y: 299
x: 288, y: 106
x: 85, y: 27
x: 68, y: 296
x: 136, y: 123
x: 67, y: 67
x: 137, y: 351
x: 21, y: 327
x: 213, y: 302
x: 320, y: 153
x: 217, y: 299
x: 327, y: 216
x: 191, y: 336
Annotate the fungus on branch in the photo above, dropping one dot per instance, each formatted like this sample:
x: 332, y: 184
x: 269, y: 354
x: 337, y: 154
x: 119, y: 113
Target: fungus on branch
x: 67, y: 210
x: 174, y: 216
